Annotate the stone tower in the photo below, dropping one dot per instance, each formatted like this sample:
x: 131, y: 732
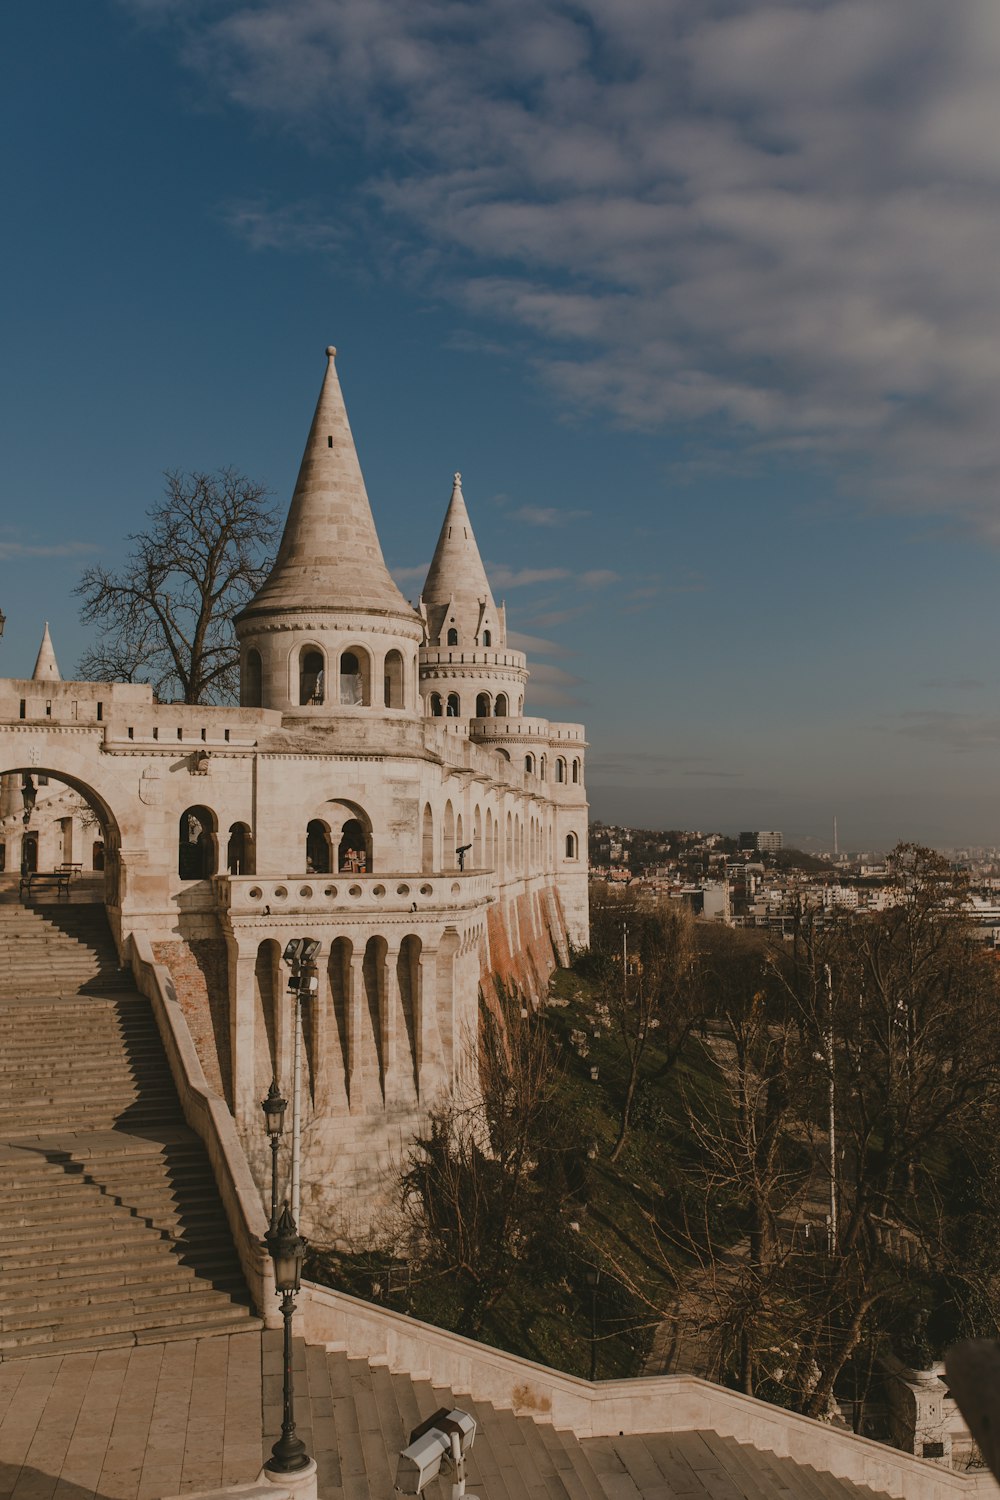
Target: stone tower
x: 466, y: 668
x: 46, y: 666
x: 329, y: 635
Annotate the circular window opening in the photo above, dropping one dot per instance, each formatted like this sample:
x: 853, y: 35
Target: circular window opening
x: 280, y: 893
x: 330, y: 890
x: 378, y: 890
x: 306, y: 891
x: 355, y: 891
x: 402, y: 890
x: 255, y: 893
x: 426, y: 890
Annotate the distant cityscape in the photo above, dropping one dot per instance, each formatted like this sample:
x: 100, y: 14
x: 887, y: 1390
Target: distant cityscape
x: 752, y: 880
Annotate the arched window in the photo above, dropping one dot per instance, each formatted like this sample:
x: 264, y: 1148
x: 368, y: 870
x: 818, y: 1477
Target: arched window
x: 453, y: 637
x: 477, y: 839
x: 239, y: 850
x: 311, y: 675
x: 197, y: 844
x: 97, y: 854
x: 393, y: 696
x: 427, y: 841
x: 252, y: 680
x: 541, y: 768
x: 482, y: 705
x: 529, y: 764
x: 317, y: 847
x: 509, y: 846
x: 571, y: 846
x: 576, y: 770
x: 454, y: 706
x: 437, y: 707
x: 353, y: 853
x: 560, y: 769
x: 500, y: 707
x: 487, y: 638
x: 355, y: 688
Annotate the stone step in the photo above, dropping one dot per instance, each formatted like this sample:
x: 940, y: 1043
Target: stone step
x: 97, y: 1292
x: 118, y: 1258
x: 211, y: 1327
x: 135, y: 1329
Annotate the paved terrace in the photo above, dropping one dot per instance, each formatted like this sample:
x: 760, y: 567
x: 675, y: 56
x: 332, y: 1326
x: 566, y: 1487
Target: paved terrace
x: 156, y: 1420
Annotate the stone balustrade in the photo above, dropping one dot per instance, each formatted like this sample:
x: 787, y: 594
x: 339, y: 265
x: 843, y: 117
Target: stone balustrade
x: 326, y: 895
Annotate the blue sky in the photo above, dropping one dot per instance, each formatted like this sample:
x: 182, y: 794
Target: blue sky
x: 700, y: 297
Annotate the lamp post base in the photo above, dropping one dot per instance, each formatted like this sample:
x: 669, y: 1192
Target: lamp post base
x: 288, y: 1456
x: 301, y: 1483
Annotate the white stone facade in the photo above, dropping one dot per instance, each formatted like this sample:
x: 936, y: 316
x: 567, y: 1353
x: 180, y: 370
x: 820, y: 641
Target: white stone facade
x: 331, y: 804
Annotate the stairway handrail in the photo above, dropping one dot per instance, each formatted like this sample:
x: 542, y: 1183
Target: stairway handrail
x: 209, y: 1117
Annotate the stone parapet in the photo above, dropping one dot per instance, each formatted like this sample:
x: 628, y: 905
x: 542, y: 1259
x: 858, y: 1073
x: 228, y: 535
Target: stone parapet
x: 365, y: 895
x: 659, y: 1403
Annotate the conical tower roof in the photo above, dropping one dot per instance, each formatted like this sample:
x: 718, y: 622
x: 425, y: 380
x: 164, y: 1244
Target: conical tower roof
x: 329, y: 558
x: 456, y: 581
x: 46, y: 666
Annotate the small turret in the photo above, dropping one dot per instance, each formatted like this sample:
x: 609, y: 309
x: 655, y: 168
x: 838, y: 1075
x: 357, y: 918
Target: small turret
x: 46, y: 666
x: 457, y: 601
x: 466, y: 668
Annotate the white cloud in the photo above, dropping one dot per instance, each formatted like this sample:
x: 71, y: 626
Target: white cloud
x: 782, y: 216
x: 503, y: 577
x: 9, y: 550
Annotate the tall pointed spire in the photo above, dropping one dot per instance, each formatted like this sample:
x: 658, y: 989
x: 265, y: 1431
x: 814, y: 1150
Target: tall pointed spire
x: 329, y: 556
x: 46, y: 666
x: 457, y: 592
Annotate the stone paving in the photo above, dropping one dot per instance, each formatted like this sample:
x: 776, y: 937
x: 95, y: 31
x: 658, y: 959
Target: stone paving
x: 132, y: 1424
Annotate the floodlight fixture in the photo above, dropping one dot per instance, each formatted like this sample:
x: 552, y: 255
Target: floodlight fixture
x: 293, y: 950
x: 310, y: 948
x: 443, y: 1439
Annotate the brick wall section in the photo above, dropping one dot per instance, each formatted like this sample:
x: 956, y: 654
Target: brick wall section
x: 199, y: 970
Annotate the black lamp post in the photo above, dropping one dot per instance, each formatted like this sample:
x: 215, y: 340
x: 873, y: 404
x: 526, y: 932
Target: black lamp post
x: 274, y: 1107
x: 287, y: 1249
x: 593, y: 1278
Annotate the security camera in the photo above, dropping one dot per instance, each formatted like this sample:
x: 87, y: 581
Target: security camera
x: 445, y: 1438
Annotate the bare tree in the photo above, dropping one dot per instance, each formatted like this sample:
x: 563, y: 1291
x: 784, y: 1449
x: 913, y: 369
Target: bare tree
x: 642, y: 961
x: 167, y: 616
x: 482, y: 1188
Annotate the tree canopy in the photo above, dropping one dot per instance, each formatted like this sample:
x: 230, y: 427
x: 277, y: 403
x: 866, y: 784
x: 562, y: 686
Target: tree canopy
x: 166, y: 617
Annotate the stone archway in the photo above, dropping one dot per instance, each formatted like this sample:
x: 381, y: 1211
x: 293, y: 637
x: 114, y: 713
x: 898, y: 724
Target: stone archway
x: 31, y: 803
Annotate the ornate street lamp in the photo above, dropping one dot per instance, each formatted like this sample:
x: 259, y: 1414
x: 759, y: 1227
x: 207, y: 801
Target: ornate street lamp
x: 274, y: 1107
x: 287, y: 1249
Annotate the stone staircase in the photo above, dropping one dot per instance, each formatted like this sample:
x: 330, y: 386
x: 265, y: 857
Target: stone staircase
x: 111, y: 1230
x: 355, y: 1417
x: 59, y: 948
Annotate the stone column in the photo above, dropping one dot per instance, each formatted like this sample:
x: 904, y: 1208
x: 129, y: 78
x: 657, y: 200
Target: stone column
x: 355, y: 999
x: 389, y: 1017
x: 242, y: 969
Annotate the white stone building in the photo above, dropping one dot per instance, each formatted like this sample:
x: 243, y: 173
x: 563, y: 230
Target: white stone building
x: 379, y: 788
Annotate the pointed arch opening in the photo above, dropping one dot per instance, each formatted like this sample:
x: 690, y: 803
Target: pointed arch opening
x: 576, y: 772
x: 319, y: 852
x: 477, y: 839
x: 572, y: 846
x: 448, y: 838
x: 454, y: 706
x: 437, y: 705
x: 240, y: 850
x: 393, y: 680
x: 452, y: 637
x: 560, y: 770
x: 500, y: 706
x: 483, y: 706
x: 355, y: 678
x: 487, y: 637
x: 197, y: 844
x: 427, y: 841
x: 312, y: 676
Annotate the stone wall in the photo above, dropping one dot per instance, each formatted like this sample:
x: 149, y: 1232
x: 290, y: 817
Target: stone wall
x: 198, y: 968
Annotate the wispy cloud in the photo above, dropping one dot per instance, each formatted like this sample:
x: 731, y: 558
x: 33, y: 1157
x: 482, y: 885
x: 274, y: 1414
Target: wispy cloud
x: 503, y: 577
x: 554, y: 686
x: 960, y: 732
x: 599, y: 578
x: 536, y: 645
x: 415, y: 574
x: 547, y: 515
x: 779, y: 217
x: 10, y: 550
